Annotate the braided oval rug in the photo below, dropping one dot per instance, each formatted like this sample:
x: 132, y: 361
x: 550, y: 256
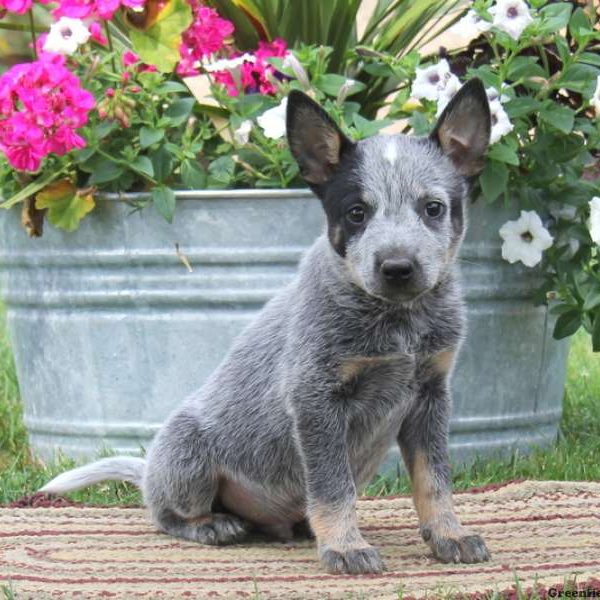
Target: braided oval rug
x: 542, y: 532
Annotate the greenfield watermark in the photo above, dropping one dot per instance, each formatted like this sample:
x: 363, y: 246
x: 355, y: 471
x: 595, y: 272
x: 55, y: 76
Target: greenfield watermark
x: 586, y: 593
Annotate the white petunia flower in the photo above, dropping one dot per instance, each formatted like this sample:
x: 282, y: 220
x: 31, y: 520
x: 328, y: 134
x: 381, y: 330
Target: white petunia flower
x: 501, y: 124
x: 511, y: 16
x: 242, y: 134
x: 470, y: 26
x: 595, y: 101
x: 525, y: 239
x: 228, y: 64
x: 272, y: 121
x: 594, y: 222
x: 431, y: 81
x: 453, y: 84
x: 66, y: 35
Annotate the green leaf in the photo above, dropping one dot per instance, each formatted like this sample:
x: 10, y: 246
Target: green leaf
x: 331, y: 84
x: 66, y: 205
x: 525, y: 67
x: 559, y: 117
x: 180, y: 110
x: 101, y: 130
x: 163, y: 199
x: 567, y: 324
x: 150, y: 136
x: 493, y: 179
x: 221, y: 172
x: 592, y: 300
x: 560, y: 309
x: 590, y: 58
x: 563, y: 48
x: 579, y: 25
x: 162, y: 162
x: 366, y: 128
x: 159, y: 44
x: 105, y: 170
x: 171, y: 87
x: 502, y: 153
x: 30, y: 189
x: 555, y: 17
x: 193, y: 175
x: 419, y: 123
x: 519, y: 107
x: 143, y: 164
x: 84, y: 154
x: 579, y: 78
x: 485, y: 73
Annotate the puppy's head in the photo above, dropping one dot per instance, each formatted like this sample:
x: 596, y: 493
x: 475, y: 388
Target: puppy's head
x: 395, y: 205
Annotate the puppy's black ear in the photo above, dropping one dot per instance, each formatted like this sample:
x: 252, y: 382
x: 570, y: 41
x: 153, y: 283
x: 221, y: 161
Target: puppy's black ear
x: 315, y: 140
x: 463, y: 130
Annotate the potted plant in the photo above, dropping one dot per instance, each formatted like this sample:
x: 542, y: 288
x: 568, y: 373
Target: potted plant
x: 151, y: 138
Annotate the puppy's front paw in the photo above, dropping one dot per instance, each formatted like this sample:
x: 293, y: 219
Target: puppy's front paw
x: 354, y: 561
x: 464, y: 549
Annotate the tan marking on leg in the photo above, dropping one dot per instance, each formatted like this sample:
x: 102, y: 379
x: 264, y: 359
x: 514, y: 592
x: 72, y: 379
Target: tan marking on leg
x: 442, y: 362
x: 336, y: 527
x: 434, y: 506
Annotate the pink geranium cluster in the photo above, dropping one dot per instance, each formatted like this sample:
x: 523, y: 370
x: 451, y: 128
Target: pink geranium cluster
x: 41, y: 105
x: 19, y: 7
x: 205, y: 36
x: 256, y: 76
x: 92, y: 9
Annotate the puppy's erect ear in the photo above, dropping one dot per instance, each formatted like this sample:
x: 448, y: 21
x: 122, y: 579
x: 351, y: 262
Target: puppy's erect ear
x: 315, y: 140
x: 463, y: 130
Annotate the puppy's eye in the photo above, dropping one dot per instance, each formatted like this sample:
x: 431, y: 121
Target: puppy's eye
x: 434, y: 209
x: 356, y: 214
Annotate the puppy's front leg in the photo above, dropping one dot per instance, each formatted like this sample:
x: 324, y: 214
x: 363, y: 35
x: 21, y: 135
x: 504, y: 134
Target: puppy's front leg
x: 320, y: 429
x: 423, y: 440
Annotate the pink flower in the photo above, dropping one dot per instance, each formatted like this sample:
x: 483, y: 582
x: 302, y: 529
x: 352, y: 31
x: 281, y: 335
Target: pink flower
x: 19, y: 7
x: 97, y: 34
x: 129, y: 58
x: 205, y: 36
x: 255, y: 76
x: 93, y: 9
x: 15, y: 6
x: 42, y: 104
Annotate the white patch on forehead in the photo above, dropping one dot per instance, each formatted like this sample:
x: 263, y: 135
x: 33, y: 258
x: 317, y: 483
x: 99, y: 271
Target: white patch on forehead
x: 390, y: 152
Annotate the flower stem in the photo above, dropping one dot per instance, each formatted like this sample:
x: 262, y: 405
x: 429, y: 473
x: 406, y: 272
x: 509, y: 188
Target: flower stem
x: 19, y: 27
x: 110, y: 46
x: 33, y: 36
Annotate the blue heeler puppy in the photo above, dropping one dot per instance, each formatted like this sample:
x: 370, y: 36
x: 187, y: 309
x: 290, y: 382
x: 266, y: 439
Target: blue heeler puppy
x: 354, y: 354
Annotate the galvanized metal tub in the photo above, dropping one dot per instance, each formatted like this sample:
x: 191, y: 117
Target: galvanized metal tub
x: 110, y: 331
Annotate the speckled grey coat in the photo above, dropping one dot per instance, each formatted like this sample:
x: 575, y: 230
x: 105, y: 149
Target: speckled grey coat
x: 354, y: 355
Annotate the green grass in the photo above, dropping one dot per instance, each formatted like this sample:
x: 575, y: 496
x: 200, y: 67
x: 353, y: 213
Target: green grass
x: 573, y: 457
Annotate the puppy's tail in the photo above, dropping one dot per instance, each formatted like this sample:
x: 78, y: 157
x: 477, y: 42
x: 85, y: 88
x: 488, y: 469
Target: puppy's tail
x: 118, y: 468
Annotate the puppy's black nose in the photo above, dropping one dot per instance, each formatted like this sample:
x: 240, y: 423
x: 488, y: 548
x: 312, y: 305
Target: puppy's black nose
x: 397, y: 270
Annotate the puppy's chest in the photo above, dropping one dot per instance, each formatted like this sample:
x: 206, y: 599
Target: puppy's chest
x: 381, y: 377
x: 393, y: 357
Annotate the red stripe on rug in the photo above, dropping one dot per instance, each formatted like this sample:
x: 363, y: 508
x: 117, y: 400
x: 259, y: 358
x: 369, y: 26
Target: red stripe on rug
x: 268, y: 578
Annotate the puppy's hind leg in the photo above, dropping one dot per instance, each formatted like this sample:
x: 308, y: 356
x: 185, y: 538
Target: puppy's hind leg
x: 181, y: 485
